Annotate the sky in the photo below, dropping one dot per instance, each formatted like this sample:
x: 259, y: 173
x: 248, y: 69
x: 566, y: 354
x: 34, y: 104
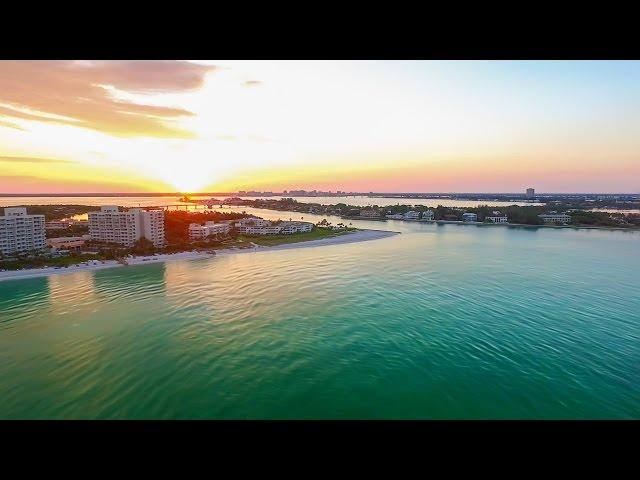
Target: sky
x: 381, y: 126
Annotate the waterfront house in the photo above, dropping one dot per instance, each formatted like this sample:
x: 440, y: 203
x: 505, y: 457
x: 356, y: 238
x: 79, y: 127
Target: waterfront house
x: 469, y: 217
x: 428, y: 215
x: 369, y: 213
x: 395, y: 216
x: 412, y: 215
x: 555, y: 217
x: 497, y: 217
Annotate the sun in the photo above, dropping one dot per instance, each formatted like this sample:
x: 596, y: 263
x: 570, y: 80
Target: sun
x: 188, y: 180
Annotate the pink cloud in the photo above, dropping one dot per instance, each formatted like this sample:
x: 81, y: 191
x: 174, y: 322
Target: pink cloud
x: 76, y: 90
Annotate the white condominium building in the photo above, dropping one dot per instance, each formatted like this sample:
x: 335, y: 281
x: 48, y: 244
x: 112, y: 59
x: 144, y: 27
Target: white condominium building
x: 20, y: 232
x: 295, y: 227
x: 258, y: 226
x: 198, y: 232
x: 153, y: 226
x: 253, y: 221
x: 125, y: 228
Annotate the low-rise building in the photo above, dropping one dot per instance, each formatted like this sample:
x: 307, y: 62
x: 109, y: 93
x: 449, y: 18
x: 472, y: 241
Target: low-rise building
x: 497, y: 217
x: 469, y: 217
x: 412, y: 215
x: 555, y: 217
x: 57, y: 224
x: 253, y: 221
x: 68, y: 243
x: 428, y: 215
x: 369, y: 212
x: 395, y: 216
x: 199, y: 232
x: 258, y: 226
x: 295, y: 227
x: 20, y: 232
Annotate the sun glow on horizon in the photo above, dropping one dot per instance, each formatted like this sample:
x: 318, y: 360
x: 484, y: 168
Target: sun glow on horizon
x: 353, y: 126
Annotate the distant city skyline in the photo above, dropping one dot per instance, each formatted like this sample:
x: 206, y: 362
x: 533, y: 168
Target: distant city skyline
x: 361, y: 126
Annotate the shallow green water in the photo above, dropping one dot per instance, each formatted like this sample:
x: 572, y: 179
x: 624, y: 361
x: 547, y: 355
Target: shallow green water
x: 439, y: 322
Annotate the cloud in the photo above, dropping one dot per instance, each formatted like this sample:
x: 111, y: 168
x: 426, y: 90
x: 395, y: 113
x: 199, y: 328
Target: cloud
x: 10, y: 125
x: 32, y: 160
x: 78, y: 93
x: 17, y: 184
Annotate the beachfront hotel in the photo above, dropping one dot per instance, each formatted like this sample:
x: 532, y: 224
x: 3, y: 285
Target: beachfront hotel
x: 125, y: 228
x: 199, y: 232
x: 20, y: 232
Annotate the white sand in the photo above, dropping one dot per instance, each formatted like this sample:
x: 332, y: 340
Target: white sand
x: 357, y: 236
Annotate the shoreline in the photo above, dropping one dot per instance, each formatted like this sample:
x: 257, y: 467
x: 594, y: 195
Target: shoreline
x: 526, y: 225
x: 93, y: 265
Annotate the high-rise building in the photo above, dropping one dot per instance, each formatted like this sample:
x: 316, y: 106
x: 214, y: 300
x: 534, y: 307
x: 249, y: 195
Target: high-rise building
x: 153, y: 226
x: 530, y: 192
x: 125, y: 228
x: 20, y: 232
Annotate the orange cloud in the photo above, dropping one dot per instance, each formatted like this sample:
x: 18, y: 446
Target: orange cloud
x: 74, y: 93
x: 15, y: 184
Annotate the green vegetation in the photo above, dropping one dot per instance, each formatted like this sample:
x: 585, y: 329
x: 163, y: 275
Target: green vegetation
x: 71, y: 231
x: 58, y: 212
x: 143, y: 247
x: 42, y: 262
x: 316, y: 234
x: 176, y: 223
x: 526, y: 215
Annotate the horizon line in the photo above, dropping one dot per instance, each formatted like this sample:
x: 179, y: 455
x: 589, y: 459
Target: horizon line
x: 273, y: 193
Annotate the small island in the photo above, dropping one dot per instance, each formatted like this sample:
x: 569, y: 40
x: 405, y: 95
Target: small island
x: 555, y: 213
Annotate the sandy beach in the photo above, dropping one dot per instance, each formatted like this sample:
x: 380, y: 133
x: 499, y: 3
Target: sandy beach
x: 358, y: 236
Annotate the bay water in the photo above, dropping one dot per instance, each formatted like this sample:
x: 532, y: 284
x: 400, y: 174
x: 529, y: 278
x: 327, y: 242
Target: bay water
x: 438, y: 322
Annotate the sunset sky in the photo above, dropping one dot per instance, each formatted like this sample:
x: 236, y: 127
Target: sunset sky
x: 393, y: 126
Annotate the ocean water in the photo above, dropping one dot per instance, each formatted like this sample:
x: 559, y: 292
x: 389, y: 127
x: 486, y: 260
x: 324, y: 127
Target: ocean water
x: 439, y: 322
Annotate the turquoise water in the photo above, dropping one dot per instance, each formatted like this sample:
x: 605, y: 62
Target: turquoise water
x: 441, y: 321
